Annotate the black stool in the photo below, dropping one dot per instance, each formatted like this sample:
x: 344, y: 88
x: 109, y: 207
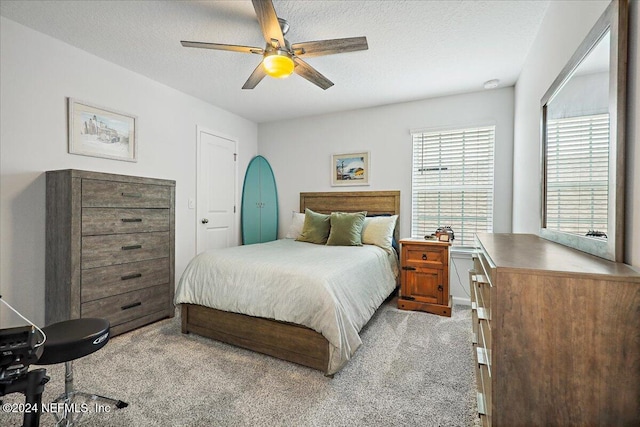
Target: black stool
x: 70, y: 340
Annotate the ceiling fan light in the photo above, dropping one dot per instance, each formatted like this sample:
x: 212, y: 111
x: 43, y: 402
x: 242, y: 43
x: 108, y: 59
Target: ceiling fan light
x: 278, y: 65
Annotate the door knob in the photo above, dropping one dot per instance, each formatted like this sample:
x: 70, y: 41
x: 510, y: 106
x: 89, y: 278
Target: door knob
x: 205, y: 220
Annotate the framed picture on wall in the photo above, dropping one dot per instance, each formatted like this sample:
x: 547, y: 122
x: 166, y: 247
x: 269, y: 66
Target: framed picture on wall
x: 350, y: 169
x: 100, y: 132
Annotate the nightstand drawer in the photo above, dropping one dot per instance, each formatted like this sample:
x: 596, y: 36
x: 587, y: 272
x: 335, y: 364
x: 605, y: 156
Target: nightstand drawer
x: 426, y: 255
x: 126, y: 195
x: 113, y: 221
x: 101, y: 251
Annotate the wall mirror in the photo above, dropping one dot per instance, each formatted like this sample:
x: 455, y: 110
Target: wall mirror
x: 583, y: 138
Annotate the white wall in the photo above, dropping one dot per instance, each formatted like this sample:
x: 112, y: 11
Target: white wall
x: 37, y: 74
x: 299, y: 150
x: 459, y: 265
x: 564, y: 27
x: 632, y: 198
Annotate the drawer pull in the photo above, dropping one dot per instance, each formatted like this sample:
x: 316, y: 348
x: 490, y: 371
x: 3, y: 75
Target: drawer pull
x: 131, y: 220
x: 424, y: 257
x: 409, y: 268
x: 131, y: 194
x: 128, y: 248
x: 482, y: 407
x: 128, y: 306
x: 131, y: 276
x: 483, y: 357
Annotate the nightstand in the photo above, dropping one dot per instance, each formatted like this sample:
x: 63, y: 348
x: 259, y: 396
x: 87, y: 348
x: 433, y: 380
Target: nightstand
x: 424, y: 282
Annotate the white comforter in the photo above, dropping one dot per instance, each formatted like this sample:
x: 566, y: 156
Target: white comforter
x: 333, y: 290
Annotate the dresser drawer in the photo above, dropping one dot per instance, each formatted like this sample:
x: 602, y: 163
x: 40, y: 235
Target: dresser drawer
x: 475, y: 325
x: 114, y: 220
x: 485, y: 268
x: 484, y: 388
x: 484, y: 334
x: 484, y: 295
x: 101, y: 251
x: 426, y: 255
x: 126, y: 195
x: 128, y: 306
x: 102, y: 282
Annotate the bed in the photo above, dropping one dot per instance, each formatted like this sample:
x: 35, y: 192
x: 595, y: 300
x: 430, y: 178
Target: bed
x: 300, y: 341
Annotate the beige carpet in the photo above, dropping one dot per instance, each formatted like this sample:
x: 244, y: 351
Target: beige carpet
x: 414, y: 369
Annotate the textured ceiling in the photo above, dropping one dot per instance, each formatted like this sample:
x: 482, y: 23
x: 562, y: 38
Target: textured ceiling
x: 417, y: 49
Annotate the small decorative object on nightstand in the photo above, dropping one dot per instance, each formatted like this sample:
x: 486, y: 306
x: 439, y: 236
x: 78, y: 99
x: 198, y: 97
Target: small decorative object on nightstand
x: 424, y: 284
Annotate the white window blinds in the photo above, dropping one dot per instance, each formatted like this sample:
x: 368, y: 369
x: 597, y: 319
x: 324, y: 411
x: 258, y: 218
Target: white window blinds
x: 577, y: 173
x: 452, y: 182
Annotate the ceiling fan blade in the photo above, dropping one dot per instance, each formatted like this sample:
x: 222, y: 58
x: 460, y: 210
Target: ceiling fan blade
x: 218, y: 46
x: 308, y: 72
x: 329, y: 47
x: 255, y: 77
x: 269, y: 22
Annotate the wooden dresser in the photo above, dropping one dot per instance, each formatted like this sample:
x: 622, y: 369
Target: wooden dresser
x: 109, y: 248
x: 424, y: 278
x: 556, y: 335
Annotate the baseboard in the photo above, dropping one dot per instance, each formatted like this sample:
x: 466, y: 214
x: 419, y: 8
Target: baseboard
x: 461, y: 301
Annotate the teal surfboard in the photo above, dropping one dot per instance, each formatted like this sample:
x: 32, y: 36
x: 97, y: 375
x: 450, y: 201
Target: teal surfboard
x: 259, y: 214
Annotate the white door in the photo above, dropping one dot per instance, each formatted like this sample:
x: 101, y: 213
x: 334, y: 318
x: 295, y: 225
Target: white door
x: 216, y: 191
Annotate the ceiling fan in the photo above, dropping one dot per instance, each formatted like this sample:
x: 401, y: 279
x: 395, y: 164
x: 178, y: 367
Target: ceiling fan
x: 280, y: 58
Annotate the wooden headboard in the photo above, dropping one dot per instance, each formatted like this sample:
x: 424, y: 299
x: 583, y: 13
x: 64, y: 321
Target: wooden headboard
x: 374, y: 202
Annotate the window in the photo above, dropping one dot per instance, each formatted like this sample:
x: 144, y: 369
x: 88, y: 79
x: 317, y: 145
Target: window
x: 577, y: 174
x: 452, y: 182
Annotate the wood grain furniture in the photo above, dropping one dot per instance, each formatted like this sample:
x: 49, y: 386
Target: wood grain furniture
x: 283, y: 340
x: 556, y: 335
x: 259, y: 203
x: 109, y: 248
x: 424, y: 279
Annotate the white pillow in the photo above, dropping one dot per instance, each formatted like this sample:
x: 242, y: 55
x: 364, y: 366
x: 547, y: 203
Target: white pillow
x: 295, y: 229
x: 378, y: 230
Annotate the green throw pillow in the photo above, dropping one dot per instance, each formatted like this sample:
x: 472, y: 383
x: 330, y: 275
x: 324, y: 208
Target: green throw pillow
x: 346, y: 229
x: 316, y: 227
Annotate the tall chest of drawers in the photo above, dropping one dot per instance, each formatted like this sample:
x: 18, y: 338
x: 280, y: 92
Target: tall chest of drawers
x: 556, y: 335
x: 109, y: 248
